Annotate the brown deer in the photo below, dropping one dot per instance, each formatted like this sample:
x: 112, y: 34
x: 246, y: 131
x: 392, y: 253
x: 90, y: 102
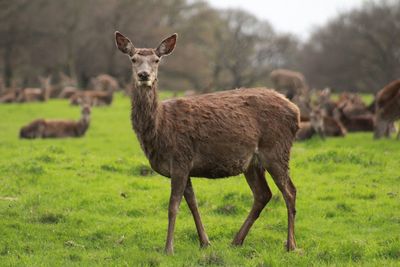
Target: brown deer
x: 325, y: 101
x: 212, y: 135
x: 104, y: 82
x: 320, y: 124
x: 353, y: 113
x: 42, y: 128
x: 10, y: 96
x: 92, y: 97
x: 36, y: 94
x: 289, y: 81
x: 309, y: 128
x: 387, y: 109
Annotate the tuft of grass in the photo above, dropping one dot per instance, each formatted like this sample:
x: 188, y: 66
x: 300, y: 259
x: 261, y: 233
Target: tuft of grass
x: 51, y: 218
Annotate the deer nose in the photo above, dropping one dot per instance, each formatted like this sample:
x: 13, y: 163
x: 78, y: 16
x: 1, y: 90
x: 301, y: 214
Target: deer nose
x: 143, y: 75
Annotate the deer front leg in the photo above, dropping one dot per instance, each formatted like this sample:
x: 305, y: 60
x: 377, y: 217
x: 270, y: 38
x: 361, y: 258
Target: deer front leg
x: 178, y: 185
x: 191, y: 201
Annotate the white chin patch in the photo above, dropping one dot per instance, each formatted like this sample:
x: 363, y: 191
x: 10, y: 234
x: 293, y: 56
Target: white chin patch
x: 145, y: 83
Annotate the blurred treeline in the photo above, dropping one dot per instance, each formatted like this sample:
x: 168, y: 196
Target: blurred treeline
x: 217, y: 49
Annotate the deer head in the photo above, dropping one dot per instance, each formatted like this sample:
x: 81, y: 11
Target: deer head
x: 145, y: 61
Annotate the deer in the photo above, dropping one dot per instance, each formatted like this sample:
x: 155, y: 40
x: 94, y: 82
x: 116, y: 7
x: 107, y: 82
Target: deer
x: 387, y: 110
x: 289, y: 81
x: 104, y: 82
x: 215, y: 135
x: 36, y: 94
x: 42, y: 128
x: 92, y: 97
x: 322, y: 124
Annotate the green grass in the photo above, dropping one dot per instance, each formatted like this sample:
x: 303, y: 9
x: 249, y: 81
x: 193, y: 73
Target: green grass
x: 82, y: 202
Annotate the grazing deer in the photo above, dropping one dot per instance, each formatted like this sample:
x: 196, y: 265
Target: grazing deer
x: 387, y: 109
x: 42, y: 128
x: 212, y: 135
x: 36, y: 94
x: 289, y: 81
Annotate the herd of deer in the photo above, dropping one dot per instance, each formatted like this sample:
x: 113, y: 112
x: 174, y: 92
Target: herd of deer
x: 101, y: 93
x: 321, y: 115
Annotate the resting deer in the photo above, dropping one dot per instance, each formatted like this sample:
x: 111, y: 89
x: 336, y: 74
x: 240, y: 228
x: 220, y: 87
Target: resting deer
x: 92, y: 97
x: 322, y: 124
x: 36, y: 94
x: 387, y: 109
x: 212, y: 135
x: 57, y: 128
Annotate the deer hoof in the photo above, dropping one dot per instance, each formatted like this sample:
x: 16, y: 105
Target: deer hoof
x: 205, y: 244
x: 169, y: 251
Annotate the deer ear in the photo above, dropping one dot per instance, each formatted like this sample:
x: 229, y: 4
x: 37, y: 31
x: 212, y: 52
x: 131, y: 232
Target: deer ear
x: 124, y: 44
x: 167, y: 46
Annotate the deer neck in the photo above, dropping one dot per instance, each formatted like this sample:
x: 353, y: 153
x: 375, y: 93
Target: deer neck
x: 145, y: 117
x: 83, y: 124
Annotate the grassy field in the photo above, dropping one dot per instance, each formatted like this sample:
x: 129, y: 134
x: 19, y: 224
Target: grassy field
x: 83, y: 202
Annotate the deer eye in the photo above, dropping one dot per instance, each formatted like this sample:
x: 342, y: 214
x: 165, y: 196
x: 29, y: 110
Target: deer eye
x: 157, y: 60
x: 134, y: 60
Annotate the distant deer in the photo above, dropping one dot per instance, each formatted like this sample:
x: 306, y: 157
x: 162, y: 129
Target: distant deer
x: 104, y: 82
x: 42, y: 128
x: 289, y: 81
x: 92, y: 97
x: 36, y: 94
x: 325, y: 101
x: 69, y: 86
x: 213, y: 136
x: 387, y: 109
x: 354, y: 113
x: 322, y: 124
x: 9, y: 96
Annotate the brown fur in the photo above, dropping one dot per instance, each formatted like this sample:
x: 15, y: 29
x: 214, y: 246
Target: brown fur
x: 387, y: 109
x: 104, y: 82
x: 326, y: 103
x: 67, y: 92
x: 10, y: 96
x: 92, y: 97
x: 353, y: 113
x: 320, y: 124
x: 42, y: 128
x: 36, y: 94
x: 288, y: 81
x: 212, y: 135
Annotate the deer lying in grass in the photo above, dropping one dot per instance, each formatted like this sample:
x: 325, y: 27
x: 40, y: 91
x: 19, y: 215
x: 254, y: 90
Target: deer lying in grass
x: 322, y: 124
x: 10, y: 96
x: 387, y: 109
x: 92, y: 98
x: 36, y: 94
x: 213, y: 136
x: 42, y: 128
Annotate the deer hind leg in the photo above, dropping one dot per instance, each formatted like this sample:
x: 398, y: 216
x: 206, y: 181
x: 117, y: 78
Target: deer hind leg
x: 191, y: 201
x: 279, y: 171
x: 261, y: 193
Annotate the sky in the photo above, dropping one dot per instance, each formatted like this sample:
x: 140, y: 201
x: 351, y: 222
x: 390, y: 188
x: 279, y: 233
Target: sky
x: 299, y: 17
